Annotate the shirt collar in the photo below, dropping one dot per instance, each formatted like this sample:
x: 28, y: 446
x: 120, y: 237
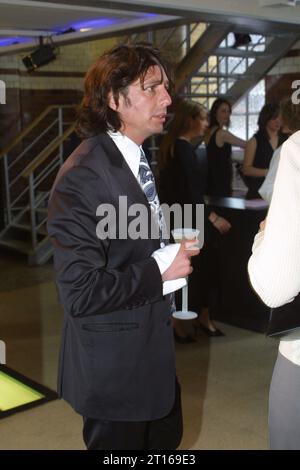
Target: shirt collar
x: 129, y: 149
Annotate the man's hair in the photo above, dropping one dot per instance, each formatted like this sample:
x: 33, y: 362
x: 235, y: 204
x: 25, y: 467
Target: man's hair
x: 112, y: 73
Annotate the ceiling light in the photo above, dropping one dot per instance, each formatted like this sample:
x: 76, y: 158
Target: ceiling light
x: 278, y: 3
x: 44, y: 54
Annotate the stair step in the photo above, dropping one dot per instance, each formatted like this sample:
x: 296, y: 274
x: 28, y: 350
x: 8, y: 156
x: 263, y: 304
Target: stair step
x: 27, y: 228
x: 42, y: 254
x: 230, y: 52
x: 41, y: 210
x: 204, y: 95
x: 237, y: 76
x: 17, y: 245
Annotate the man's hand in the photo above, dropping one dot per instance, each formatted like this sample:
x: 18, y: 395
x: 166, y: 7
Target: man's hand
x: 181, y: 265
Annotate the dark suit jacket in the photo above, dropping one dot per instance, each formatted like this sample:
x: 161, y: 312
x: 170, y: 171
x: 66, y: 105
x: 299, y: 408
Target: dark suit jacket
x: 117, y: 352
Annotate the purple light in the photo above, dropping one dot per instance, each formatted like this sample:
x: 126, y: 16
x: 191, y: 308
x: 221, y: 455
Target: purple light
x: 84, y: 24
x: 14, y: 40
x: 103, y: 22
x: 149, y: 15
x: 96, y: 23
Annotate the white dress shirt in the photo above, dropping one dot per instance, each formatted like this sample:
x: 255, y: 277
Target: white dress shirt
x: 166, y: 254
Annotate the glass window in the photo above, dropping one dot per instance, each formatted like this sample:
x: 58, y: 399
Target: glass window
x: 252, y: 125
x: 257, y: 97
x: 241, y: 107
x: 238, y: 125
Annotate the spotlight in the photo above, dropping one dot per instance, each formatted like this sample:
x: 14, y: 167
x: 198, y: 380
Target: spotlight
x: 241, y: 40
x: 67, y: 31
x: 44, y: 54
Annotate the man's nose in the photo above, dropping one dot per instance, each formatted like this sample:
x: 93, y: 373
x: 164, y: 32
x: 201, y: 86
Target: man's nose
x: 165, y: 97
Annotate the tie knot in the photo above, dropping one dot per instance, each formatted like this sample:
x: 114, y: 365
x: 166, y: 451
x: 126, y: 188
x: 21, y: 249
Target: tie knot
x: 143, y: 158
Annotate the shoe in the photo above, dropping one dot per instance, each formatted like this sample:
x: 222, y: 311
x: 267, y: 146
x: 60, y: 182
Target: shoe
x: 183, y: 339
x: 209, y: 332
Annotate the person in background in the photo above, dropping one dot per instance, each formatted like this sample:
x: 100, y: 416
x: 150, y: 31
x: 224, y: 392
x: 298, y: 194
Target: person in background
x: 274, y: 270
x: 260, y: 148
x: 290, y: 115
x: 219, y: 141
x: 179, y: 183
x: 117, y: 360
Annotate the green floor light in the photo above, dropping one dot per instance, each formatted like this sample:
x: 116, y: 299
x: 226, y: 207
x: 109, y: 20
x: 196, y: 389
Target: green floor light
x: 18, y: 393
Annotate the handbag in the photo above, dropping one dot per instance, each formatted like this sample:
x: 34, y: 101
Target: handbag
x: 284, y: 319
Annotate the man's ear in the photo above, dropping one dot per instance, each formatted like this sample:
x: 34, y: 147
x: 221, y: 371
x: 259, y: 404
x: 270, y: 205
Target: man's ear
x: 111, y: 102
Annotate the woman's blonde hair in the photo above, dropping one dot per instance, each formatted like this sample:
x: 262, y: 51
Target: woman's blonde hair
x: 184, y: 111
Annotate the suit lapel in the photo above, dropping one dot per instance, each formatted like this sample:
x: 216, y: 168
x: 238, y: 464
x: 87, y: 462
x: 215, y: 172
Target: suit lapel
x: 123, y: 175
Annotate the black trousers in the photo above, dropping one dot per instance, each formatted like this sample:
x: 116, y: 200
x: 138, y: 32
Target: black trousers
x: 164, y: 433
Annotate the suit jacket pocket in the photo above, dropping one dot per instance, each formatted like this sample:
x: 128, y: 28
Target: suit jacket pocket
x: 109, y: 327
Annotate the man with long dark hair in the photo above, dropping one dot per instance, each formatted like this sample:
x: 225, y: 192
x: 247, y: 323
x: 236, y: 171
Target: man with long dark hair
x: 117, y: 365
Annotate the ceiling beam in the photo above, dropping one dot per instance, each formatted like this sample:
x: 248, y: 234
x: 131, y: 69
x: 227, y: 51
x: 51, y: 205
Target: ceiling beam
x: 134, y: 26
x: 248, y: 15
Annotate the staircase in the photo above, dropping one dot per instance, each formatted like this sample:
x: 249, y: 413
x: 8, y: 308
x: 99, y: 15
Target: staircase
x: 30, y: 164
x: 230, y: 72
x: 211, y: 67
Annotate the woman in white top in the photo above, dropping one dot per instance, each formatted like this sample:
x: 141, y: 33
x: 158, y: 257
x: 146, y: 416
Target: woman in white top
x: 274, y: 270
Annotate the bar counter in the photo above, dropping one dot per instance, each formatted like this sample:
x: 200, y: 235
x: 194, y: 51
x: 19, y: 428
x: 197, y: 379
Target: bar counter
x: 237, y: 304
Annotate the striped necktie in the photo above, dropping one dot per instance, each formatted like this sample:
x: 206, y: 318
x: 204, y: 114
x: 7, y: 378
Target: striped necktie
x: 147, y: 183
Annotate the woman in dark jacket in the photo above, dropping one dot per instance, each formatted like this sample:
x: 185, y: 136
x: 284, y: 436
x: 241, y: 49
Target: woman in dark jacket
x: 179, y: 183
x: 260, y: 148
x: 219, y: 142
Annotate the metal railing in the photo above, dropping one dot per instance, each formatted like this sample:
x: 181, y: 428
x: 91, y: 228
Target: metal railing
x: 45, y: 165
x: 30, y: 163
x: 14, y: 162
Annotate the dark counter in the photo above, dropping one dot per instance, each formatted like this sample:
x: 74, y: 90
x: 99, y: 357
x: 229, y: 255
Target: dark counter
x: 237, y: 303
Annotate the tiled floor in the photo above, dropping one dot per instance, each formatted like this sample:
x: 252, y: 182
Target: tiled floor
x: 14, y: 272
x: 224, y: 380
